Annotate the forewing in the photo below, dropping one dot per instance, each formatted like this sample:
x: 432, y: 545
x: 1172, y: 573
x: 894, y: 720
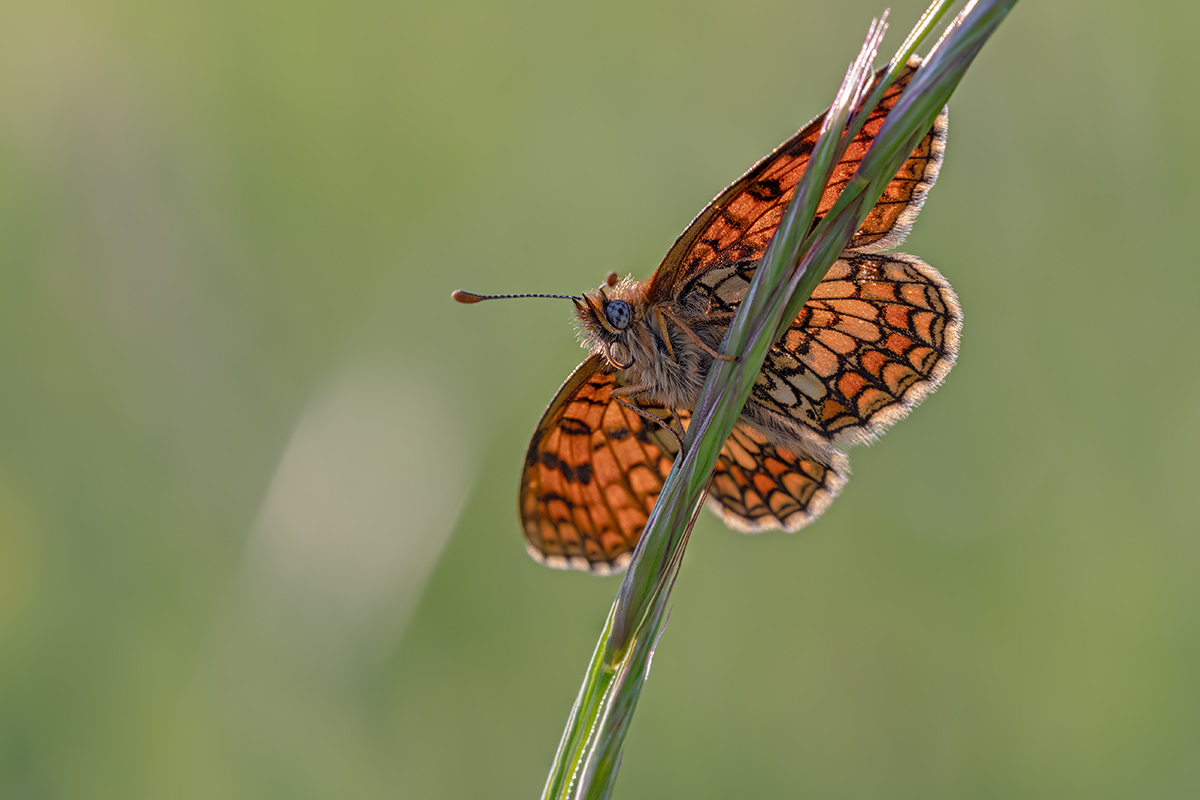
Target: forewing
x: 739, y: 223
x: 592, y: 473
x: 878, y: 334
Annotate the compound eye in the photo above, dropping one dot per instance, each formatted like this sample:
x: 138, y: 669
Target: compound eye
x: 618, y: 313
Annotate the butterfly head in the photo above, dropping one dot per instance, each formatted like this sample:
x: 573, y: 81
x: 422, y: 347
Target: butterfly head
x: 607, y: 317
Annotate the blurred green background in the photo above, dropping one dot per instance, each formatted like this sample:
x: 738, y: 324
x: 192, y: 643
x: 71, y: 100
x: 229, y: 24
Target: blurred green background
x: 257, y: 473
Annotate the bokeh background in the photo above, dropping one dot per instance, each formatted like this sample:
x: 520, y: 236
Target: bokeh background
x: 257, y: 473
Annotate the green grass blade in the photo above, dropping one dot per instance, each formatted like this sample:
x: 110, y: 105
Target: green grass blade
x: 590, y: 752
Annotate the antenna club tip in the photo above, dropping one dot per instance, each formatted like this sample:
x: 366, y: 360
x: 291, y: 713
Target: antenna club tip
x: 465, y: 297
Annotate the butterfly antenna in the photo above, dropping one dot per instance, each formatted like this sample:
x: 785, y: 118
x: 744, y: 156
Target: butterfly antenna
x: 471, y: 297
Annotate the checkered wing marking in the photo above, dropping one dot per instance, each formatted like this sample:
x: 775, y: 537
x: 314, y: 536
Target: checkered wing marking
x: 592, y: 473
x: 594, y: 470
x: 739, y: 223
x: 758, y: 486
x: 879, y: 333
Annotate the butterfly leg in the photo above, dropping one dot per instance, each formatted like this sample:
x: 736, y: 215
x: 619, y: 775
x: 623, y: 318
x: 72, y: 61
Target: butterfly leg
x: 679, y: 423
x: 641, y: 412
x: 683, y: 326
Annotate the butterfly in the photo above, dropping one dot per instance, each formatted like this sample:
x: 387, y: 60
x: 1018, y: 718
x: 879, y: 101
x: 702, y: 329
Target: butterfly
x: 879, y: 332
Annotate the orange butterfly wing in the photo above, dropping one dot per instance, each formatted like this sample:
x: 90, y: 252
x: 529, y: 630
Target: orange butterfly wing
x: 740, y: 222
x: 879, y: 333
x: 758, y: 486
x: 594, y: 470
x: 592, y: 473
